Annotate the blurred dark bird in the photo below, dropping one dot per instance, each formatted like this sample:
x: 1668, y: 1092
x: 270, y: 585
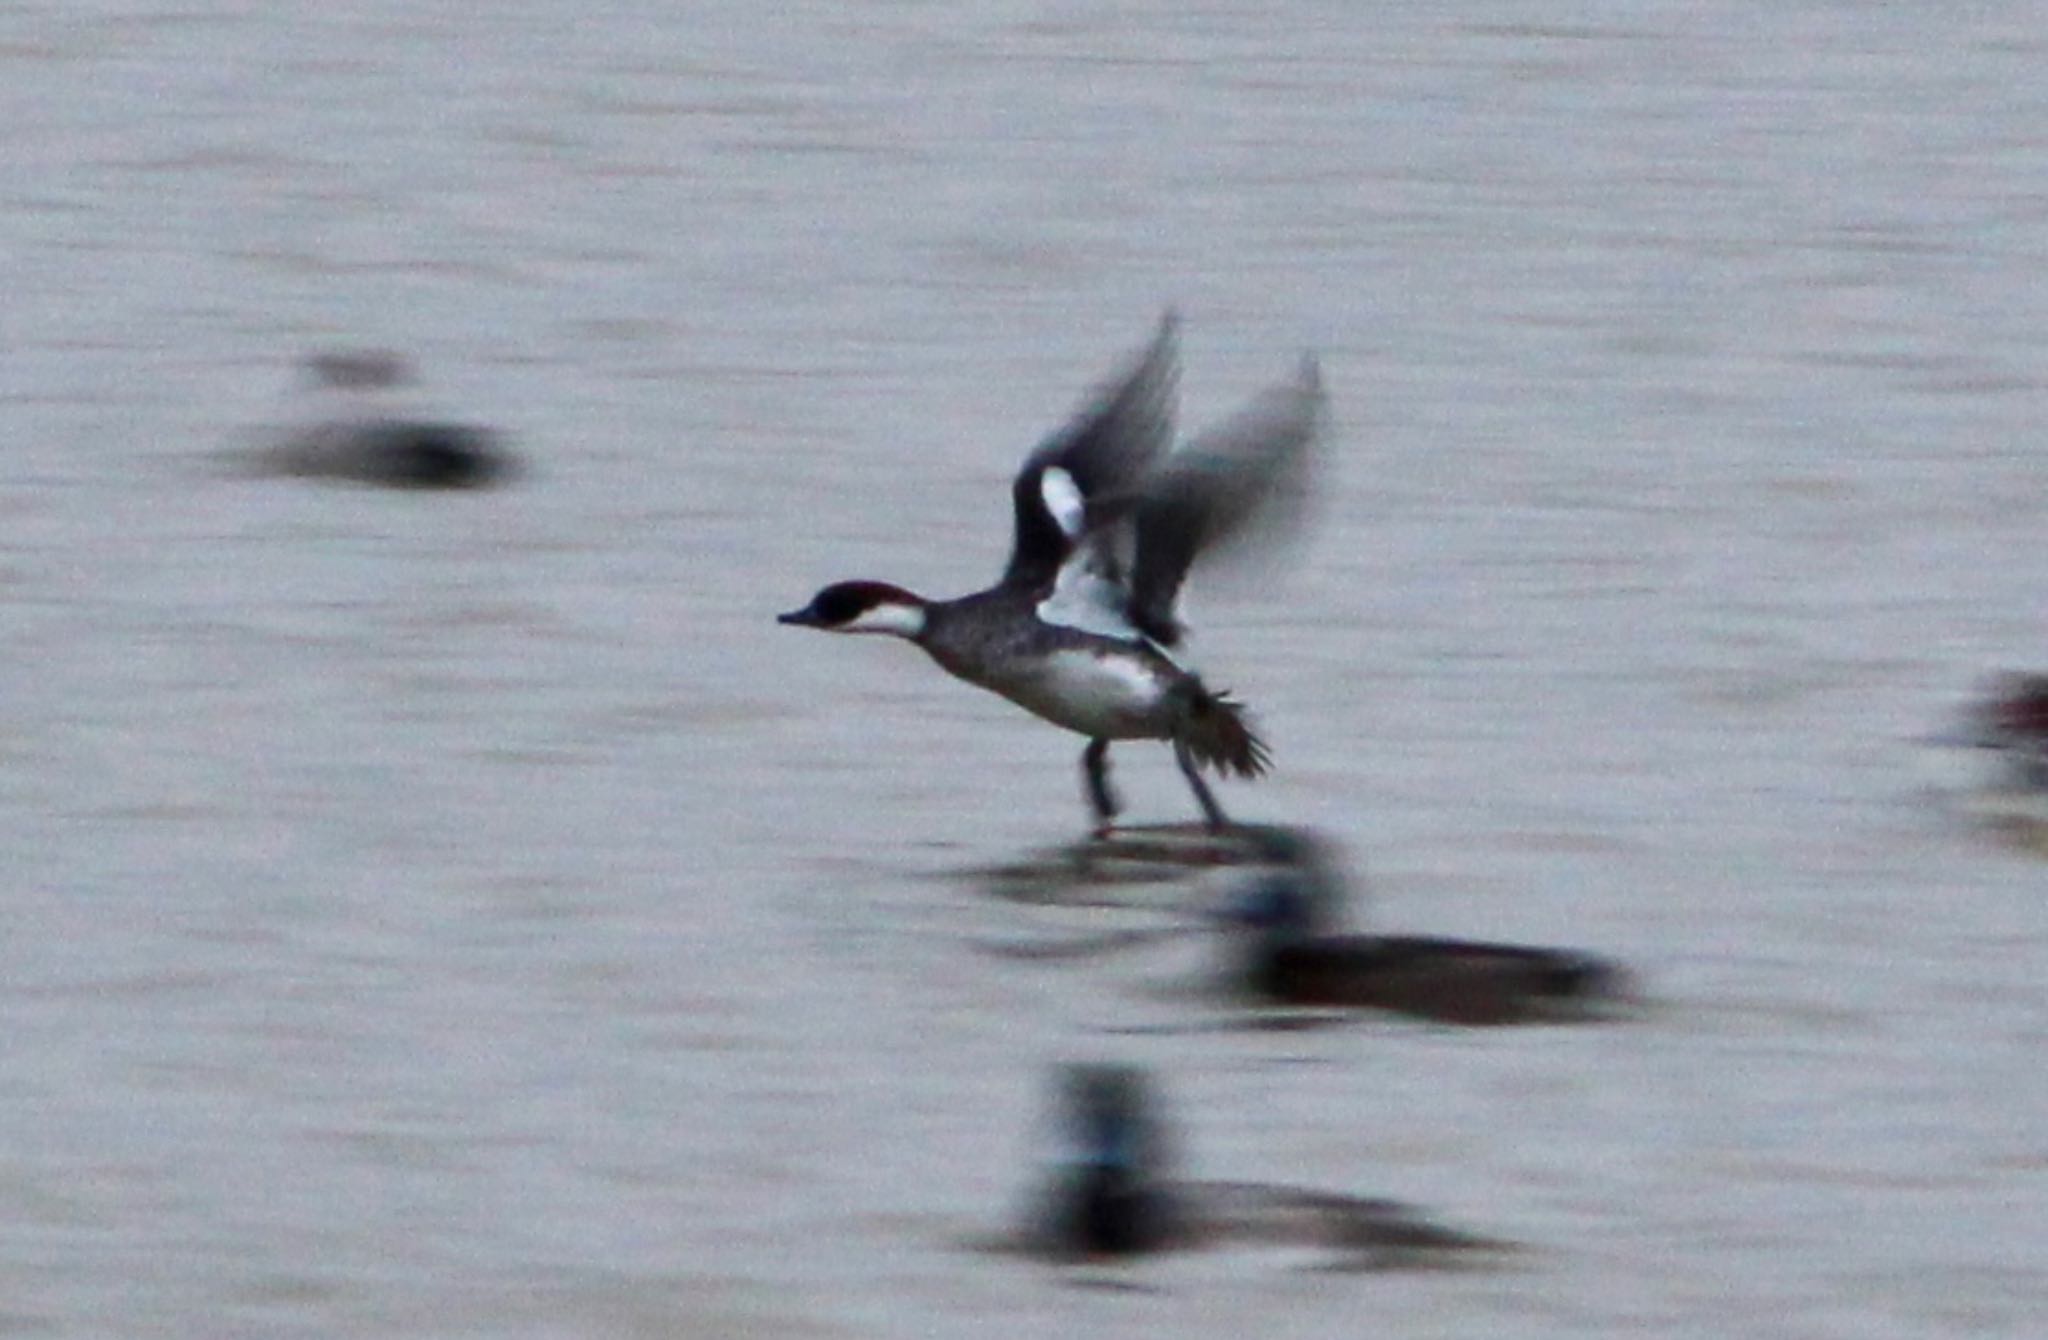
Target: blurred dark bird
x: 1289, y: 950
x: 1111, y: 1196
x: 357, y: 428
x: 2010, y: 719
x: 1081, y: 628
x: 1995, y: 768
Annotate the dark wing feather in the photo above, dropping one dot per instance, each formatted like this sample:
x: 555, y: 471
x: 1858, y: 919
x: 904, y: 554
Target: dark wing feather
x: 1107, y: 448
x: 1246, y: 476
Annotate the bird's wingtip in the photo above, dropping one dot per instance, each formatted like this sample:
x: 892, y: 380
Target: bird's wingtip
x: 1168, y: 334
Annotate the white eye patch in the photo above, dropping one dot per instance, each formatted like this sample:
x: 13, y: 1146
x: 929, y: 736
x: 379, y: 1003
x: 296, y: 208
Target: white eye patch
x: 1063, y: 500
x: 890, y: 616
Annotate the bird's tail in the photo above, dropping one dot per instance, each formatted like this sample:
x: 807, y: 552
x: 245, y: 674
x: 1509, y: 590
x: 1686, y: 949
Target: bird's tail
x: 1220, y: 737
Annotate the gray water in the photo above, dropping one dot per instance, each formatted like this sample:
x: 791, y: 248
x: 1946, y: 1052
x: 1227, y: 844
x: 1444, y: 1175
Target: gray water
x: 473, y: 916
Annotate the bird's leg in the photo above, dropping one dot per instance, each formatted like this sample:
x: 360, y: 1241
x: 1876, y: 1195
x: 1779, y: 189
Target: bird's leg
x: 1213, y: 812
x: 1101, y: 797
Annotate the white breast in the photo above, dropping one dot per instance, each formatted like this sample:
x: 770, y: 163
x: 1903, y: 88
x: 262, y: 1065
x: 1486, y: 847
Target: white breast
x: 1110, y: 697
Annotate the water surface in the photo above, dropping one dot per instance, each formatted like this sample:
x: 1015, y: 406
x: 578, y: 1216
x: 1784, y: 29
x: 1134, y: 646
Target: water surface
x: 473, y: 916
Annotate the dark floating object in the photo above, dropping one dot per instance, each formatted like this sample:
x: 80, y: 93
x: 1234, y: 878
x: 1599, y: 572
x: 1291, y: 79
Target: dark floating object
x: 2005, y: 730
x: 1290, y: 951
x: 1111, y: 1198
x: 1108, y: 1196
x: 361, y: 433
x: 2010, y: 719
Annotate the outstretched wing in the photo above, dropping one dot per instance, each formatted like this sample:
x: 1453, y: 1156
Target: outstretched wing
x: 1089, y: 594
x: 1107, y: 448
x: 1247, y: 477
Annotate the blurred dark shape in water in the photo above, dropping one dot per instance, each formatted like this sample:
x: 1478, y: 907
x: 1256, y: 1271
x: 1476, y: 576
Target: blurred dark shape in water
x: 1110, y: 1195
x: 358, y: 426
x: 2009, y: 718
x: 1288, y: 948
x: 2004, y: 732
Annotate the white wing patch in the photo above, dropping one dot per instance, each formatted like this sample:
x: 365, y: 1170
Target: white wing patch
x: 1088, y: 602
x: 1063, y: 500
x: 1085, y: 600
x: 1084, y: 597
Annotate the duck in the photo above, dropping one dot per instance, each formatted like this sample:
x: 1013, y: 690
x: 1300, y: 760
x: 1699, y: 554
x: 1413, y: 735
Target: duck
x: 1081, y: 628
x: 356, y: 429
x: 1107, y: 1194
x: 1290, y: 949
x: 2010, y: 719
x: 1111, y: 1196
